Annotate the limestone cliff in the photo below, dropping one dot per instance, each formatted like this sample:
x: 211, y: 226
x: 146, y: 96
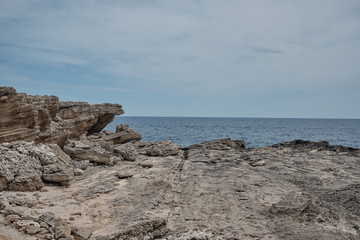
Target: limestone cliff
x: 45, y: 119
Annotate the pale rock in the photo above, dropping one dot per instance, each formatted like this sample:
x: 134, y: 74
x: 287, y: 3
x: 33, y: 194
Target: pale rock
x: 78, y: 172
x: 12, y: 217
x: 81, y: 164
x: 92, y: 155
x: 257, y: 163
x: 62, y: 230
x: 146, y: 164
x: 81, y: 233
x: 127, y: 151
x: 57, y: 174
x: 123, y: 134
x: 33, y: 228
x: 124, y: 174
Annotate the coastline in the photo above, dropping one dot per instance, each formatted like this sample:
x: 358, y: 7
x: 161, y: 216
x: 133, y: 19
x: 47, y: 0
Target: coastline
x: 62, y: 177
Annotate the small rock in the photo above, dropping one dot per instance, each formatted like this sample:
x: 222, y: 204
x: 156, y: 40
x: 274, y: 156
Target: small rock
x: 33, y: 228
x: 123, y: 175
x: 82, y: 164
x: 146, y: 164
x: 127, y: 151
x: 77, y: 214
x: 258, y: 163
x: 62, y: 230
x: 107, y: 132
x: 78, y: 172
x: 36, y: 195
x: 81, y: 233
x: 12, y: 217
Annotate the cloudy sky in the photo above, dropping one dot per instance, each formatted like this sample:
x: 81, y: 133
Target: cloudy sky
x: 227, y: 58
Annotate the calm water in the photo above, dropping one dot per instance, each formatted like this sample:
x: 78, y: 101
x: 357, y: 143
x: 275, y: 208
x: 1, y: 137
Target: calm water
x: 255, y: 131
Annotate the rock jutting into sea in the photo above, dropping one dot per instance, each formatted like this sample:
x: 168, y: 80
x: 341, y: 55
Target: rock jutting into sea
x: 63, y: 177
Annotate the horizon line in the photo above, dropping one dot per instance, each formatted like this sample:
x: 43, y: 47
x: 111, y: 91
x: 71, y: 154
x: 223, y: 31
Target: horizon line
x: 329, y: 118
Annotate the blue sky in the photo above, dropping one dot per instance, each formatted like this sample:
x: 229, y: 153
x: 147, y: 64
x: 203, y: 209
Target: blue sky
x: 224, y: 58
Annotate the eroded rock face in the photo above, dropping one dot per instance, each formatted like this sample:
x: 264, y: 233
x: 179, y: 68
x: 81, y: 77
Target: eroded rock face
x: 45, y: 119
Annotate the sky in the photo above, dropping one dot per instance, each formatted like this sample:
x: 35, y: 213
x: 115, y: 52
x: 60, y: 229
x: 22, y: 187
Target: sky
x: 208, y: 58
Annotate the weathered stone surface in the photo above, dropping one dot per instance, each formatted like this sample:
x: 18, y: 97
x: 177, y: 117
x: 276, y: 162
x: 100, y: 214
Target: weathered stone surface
x: 62, y: 230
x: 163, y: 148
x: 150, y: 229
x: 26, y: 182
x: 124, y: 174
x: 58, y: 174
x: 127, y: 151
x: 12, y: 217
x: 45, y: 119
x: 123, y: 134
x: 33, y: 228
x: 211, y: 192
x: 82, y: 233
x: 81, y: 164
x: 91, y: 155
x: 22, y: 165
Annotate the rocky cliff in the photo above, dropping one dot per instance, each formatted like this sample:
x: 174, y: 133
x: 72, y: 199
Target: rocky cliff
x: 111, y: 186
x: 45, y: 119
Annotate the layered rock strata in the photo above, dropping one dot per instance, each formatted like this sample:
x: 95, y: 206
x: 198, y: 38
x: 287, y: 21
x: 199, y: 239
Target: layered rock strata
x: 45, y: 119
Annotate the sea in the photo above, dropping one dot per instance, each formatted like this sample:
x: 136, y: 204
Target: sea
x: 256, y: 132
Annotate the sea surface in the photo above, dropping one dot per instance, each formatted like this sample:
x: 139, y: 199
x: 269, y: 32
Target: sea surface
x: 256, y: 132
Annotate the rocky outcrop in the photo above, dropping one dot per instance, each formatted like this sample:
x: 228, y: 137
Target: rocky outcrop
x: 45, y: 119
x: 214, y: 190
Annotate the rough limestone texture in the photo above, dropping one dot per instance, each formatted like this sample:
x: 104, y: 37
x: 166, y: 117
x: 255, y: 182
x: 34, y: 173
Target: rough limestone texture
x: 163, y: 148
x: 217, y: 190
x: 123, y: 134
x: 25, y: 166
x: 45, y: 119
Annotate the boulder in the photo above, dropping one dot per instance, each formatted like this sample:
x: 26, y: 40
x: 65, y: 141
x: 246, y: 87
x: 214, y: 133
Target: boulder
x: 123, y: 134
x: 26, y: 182
x: 127, y: 151
x: 57, y: 174
x: 23, y: 165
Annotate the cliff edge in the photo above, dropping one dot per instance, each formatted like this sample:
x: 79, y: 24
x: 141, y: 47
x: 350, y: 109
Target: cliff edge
x: 45, y: 119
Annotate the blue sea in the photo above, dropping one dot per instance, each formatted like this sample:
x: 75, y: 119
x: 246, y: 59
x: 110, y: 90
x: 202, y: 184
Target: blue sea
x: 256, y: 132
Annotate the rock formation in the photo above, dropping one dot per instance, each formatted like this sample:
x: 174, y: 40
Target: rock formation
x: 109, y: 186
x: 45, y: 119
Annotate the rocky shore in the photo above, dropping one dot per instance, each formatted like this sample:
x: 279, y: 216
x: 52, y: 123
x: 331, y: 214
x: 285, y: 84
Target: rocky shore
x: 63, y: 177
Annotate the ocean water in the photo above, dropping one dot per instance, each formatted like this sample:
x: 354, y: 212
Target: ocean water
x: 256, y: 132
